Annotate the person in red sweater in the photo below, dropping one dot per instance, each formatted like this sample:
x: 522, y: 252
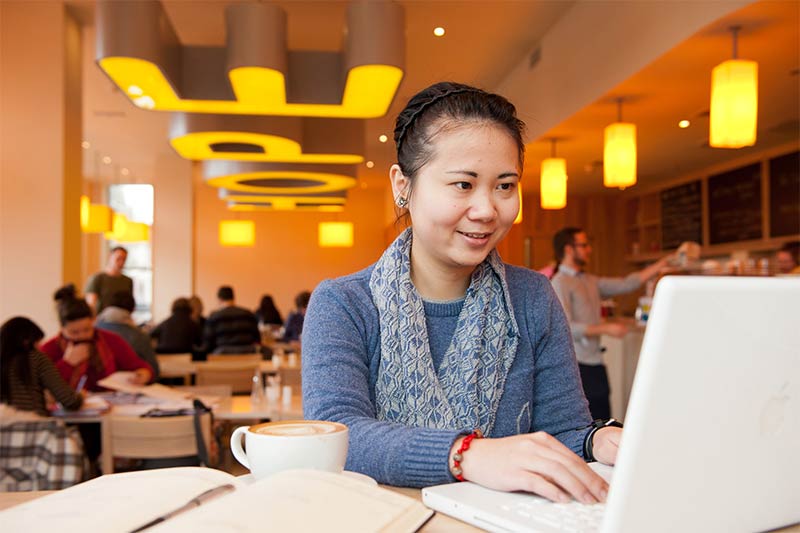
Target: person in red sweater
x: 79, y: 349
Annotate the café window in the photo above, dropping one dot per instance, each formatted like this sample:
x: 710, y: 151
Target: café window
x: 135, y: 201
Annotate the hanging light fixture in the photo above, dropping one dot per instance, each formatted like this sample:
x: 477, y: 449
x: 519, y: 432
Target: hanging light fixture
x: 336, y: 234
x: 619, y: 153
x: 95, y: 218
x: 734, y: 101
x: 237, y: 233
x: 553, y: 180
x: 518, y: 220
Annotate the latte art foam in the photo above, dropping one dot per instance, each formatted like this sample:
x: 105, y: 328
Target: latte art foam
x: 297, y: 430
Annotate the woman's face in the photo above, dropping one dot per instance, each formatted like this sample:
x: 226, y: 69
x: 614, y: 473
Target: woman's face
x: 78, y: 330
x: 464, y: 200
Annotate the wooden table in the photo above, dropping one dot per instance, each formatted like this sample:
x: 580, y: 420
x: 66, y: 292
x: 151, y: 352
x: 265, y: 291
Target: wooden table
x: 189, y: 368
x: 439, y: 523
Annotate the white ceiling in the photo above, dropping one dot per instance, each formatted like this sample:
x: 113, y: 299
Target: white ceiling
x: 484, y: 41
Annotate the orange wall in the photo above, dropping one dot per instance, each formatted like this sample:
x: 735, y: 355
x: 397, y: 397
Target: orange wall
x: 286, y: 258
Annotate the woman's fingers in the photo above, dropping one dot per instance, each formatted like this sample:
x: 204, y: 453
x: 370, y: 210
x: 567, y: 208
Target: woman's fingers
x: 539, y: 485
x: 575, y: 475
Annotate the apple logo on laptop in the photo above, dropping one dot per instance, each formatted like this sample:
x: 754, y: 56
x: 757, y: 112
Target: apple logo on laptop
x: 772, y: 414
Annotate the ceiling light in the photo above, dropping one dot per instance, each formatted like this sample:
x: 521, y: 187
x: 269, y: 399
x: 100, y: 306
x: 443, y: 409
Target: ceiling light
x: 139, y: 50
x: 124, y: 171
x: 383, y: 138
x: 734, y: 102
x: 518, y: 220
x: 106, y: 160
x: 619, y: 153
x: 85, y: 145
x: 553, y: 181
x: 237, y: 233
x: 370, y: 164
x: 273, y: 178
x: 95, y: 218
x: 335, y: 234
x: 438, y: 31
x: 683, y: 124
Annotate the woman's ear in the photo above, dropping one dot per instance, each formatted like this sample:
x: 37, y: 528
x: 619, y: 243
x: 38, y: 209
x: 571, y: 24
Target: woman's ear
x: 400, y: 184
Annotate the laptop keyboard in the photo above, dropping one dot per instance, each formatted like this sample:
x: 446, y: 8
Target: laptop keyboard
x: 572, y: 516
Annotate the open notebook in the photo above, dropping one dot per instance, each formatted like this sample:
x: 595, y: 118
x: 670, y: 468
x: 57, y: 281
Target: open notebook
x: 711, y: 436
x: 293, y: 500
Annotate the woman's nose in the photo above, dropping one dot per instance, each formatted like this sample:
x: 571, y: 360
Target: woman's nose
x: 483, y: 206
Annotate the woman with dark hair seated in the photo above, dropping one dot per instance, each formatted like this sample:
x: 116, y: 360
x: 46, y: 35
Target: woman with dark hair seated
x: 179, y: 333
x: 267, y: 313
x: 79, y: 349
x: 25, y: 372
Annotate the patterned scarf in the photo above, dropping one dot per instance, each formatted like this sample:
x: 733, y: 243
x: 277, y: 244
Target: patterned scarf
x: 466, y: 391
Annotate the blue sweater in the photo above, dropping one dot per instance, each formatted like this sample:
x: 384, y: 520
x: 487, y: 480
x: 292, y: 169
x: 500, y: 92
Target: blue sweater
x: 341, y: 356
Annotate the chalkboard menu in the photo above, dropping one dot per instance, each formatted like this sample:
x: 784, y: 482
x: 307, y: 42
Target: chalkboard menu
x: 784, y: 195
x: 681, y: 215
x: 734, y: 205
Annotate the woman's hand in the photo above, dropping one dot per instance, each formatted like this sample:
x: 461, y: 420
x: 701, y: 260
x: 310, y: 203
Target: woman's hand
x: 534, y: 462
x: 76, y: 354
x: 140, y: 376
x: 605, y: 443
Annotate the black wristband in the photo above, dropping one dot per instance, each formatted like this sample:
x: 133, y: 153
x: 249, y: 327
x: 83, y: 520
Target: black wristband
x: 588, y: 440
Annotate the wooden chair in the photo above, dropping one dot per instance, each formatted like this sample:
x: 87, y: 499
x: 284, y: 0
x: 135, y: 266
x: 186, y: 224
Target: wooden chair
x: 234, y: 358
x: 239, y: 375
x: 178, y: 365
x: 152, y: 438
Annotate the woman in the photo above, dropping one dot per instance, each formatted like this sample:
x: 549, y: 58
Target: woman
x: 25, y: 372
x: 294, y: 322
x: 80, y: 349
x: 179, y: 333
x: 440, y: 338
x: 267, y: 313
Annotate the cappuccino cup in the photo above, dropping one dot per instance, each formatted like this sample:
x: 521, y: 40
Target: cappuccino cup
x: 288, y: 444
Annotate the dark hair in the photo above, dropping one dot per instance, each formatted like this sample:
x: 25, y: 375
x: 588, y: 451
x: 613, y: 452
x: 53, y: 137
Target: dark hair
x: 70, y: 309
x: 67, y: 292
x: 302, y: 299
x: 267, y: 312
x: 447, y: 104
x: 17, y: 337
x: 792, y: 248
x: 181, y: 306
x: 123, y: 300
x: 118, y: 249
x: 562, y: 238
x: 225, y: 292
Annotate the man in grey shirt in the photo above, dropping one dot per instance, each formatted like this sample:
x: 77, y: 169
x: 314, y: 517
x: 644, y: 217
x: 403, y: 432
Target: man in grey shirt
x: 580, y: 294
x: 111, y: 280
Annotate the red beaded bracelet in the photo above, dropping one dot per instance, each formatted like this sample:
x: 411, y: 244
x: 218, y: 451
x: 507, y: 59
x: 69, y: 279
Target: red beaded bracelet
x: 457, y: 472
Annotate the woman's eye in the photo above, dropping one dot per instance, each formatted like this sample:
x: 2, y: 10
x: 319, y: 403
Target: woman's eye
x: 463, y: 185
x: 506, y: 186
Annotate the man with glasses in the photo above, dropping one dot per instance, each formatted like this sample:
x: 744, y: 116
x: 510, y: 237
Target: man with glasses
x: 580, y: 294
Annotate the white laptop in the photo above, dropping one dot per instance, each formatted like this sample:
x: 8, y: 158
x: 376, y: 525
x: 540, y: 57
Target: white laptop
x: 712, y: 433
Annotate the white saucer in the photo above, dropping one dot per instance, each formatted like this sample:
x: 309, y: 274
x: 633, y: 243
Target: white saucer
x: 247, y: 479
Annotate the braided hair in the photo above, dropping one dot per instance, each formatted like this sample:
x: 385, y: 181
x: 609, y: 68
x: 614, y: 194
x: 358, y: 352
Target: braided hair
x: 446, y: 104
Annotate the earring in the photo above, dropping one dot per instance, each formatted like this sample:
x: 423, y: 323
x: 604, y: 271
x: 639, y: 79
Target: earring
x: 401, y: 202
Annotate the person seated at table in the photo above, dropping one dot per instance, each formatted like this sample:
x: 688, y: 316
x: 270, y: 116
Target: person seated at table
x: 294, y: 322
x: 25, y: 372
x: 117, y: 318
x: 267, y: 314
x: 79, y: 349
x: 231, y: 329
x: 440, y: 341
x: 179, y: 333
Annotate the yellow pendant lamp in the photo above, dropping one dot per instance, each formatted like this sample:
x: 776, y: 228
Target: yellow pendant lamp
x: 95, y: 218
x: 237, y: 233
x: 335, y: 234
x: 619, y: 153
x: 553, y: 181
x: 734, y: 102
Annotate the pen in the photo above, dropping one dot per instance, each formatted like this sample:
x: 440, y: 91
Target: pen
x: 81, y: 383
x: 198, y: 500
